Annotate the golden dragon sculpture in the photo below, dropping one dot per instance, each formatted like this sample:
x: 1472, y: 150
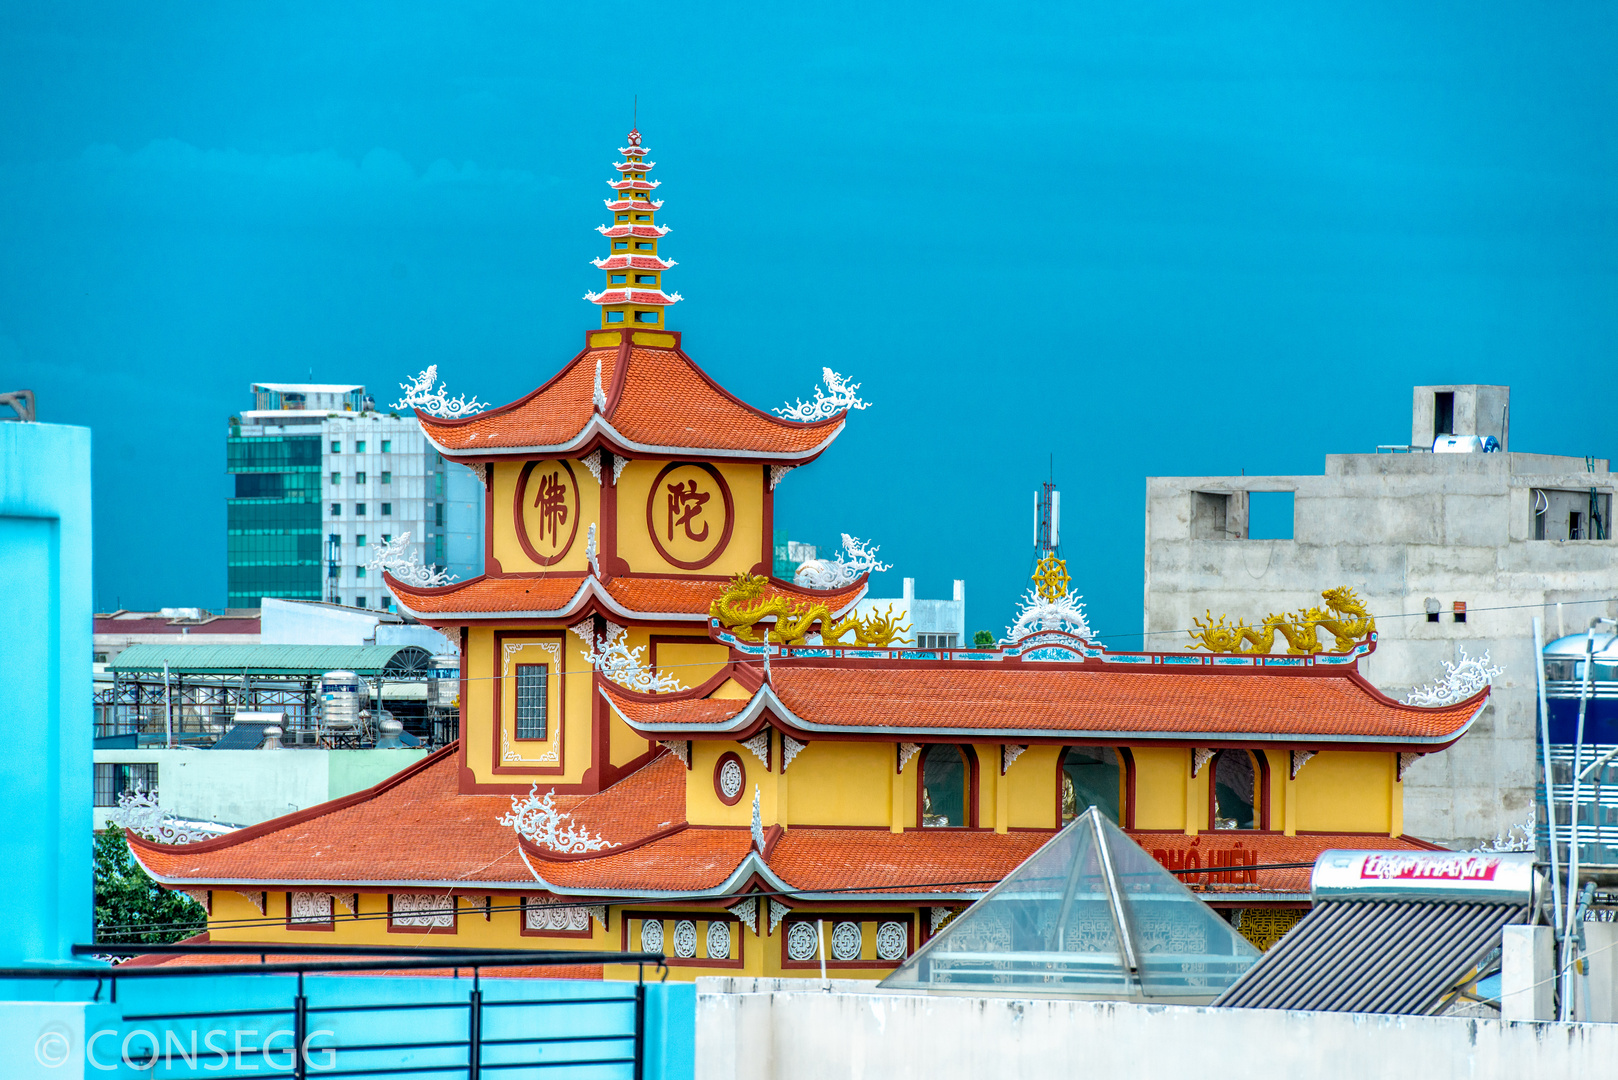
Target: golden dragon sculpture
x: 1346, y: 621
x: 743, y: 606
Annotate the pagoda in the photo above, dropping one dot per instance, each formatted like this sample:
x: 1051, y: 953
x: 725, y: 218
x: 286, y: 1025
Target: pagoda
x: 663, y: 747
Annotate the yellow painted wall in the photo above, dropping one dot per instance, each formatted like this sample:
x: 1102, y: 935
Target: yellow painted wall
x: 702, y: 803
x: 1032, y: 780
x: 692, y: 664
x: 746, y: 543
x: 1160, y: 787
x: 836, y: 783
x: 1345, y: 791
x: 508, y: 551
x: 483, y: 734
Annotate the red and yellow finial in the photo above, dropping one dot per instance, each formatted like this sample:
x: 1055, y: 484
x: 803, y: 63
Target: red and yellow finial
x: 634, y: 294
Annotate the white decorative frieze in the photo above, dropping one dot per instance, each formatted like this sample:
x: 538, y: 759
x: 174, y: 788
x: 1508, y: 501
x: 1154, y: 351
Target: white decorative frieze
x: 542, y: 917
x: 314, y: 908
x: 790, y: 748
x: 539, y: 822
x: 747, y: 913
x: 802, y: 941
x: 427, y: 910
x: 760, y: 746
x: 718, y: 940
x: 892, y: 941
x: 1036, y: 614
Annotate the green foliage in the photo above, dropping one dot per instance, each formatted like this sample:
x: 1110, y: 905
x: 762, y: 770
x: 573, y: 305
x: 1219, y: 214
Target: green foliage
x: 983, y: 637
x: 131, y: 908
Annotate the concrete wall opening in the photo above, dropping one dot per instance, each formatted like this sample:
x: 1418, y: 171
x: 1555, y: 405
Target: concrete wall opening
x: 1443, y: 413
x: 1585, y: 514
x: 1269, y: 515
x: 1210, y: 515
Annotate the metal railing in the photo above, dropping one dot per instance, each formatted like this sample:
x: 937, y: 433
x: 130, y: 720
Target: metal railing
x: 350, y: 1028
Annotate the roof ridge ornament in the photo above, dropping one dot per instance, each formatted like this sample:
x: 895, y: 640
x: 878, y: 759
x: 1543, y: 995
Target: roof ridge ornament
x: 139, y: 812
x: 839, y: 573
x: 538, y: 821
x: 1461, y: 680
x: 613, y: 657
x: 758, y: 823
x: 842, y: 398
x: 1049, y: 605
x: 419, y: 394
x: 390, y: 557
x: 1347, y: 621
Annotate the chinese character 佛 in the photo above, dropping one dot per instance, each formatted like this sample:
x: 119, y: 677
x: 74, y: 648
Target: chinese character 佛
x: 552, y: 507
x: 686, y: 502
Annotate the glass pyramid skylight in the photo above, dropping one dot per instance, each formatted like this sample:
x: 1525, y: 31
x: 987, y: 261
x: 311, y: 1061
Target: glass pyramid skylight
x: 1092, y: 914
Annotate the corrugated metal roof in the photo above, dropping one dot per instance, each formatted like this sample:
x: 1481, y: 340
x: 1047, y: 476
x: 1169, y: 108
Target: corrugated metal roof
x: 1399, y: 957
x: 267, y: 659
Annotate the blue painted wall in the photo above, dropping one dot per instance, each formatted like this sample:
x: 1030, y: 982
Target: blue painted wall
x: 45, y: 629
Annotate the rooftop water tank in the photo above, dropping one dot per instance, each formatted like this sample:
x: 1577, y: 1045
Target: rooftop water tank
x: 340, y: 701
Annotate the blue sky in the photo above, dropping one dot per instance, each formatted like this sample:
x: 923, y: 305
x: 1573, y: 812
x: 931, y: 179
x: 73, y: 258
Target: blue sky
x: 1148, y: 239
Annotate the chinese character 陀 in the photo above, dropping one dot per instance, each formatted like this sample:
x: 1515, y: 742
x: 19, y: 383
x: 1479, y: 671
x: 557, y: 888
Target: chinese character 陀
x: 551, y: 500
x: 685, y: 507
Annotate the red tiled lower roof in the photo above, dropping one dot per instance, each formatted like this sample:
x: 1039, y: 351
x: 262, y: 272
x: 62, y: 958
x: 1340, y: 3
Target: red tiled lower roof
x: 965, y: 697
x: 644, y: 595
x: 917, y: 860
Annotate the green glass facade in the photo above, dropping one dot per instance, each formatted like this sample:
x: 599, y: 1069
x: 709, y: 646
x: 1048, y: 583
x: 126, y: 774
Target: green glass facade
x: 272, y: 525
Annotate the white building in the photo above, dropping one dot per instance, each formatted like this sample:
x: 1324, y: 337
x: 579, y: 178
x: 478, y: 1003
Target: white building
x: 302, y: 532
x: 1452, y: 548
x: 934, y: 624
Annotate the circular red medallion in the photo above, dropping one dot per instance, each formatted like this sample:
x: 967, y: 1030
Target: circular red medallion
x: 690, y: 514
x: 547, y: 509
x: 729, y: 778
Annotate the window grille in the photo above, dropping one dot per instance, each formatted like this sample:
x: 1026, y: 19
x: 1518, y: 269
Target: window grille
x: 112, y: 780
x: 531, y: 701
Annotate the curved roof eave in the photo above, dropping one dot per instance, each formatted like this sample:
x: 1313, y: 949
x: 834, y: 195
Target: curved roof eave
x: 765, y: 698
x: 599, y: 425
x: 589, y: 588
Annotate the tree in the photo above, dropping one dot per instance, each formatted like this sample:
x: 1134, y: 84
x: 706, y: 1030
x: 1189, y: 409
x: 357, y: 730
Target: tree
x: 983, y: 637
x: 131, y: 908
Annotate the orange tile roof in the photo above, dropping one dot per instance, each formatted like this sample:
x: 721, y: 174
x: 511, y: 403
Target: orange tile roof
x: 656, y: 400
x: 414, y: 827
x: 1056, y: 700
x: 914, y: 861
x: 651, y: 595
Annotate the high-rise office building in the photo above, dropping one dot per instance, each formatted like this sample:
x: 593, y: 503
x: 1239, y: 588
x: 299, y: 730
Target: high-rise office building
x: 321, y: 478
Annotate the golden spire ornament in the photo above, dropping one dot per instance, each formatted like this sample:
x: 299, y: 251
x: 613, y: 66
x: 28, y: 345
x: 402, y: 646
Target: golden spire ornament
x: 1051, y: 578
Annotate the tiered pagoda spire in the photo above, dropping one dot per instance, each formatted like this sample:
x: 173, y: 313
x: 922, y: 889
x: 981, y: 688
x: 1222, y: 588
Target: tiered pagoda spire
x: 634, y: 294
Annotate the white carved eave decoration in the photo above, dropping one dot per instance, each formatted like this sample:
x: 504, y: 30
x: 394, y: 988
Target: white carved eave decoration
x: 778, y: 471
x: 349, y: 902
x: 747, y: 913
x: 204, y: 897
x: 419, y: 394
x: 539, y: 822
x: 613, y: 657
x: 758, y: 823
x: 599, y: 397
x: 680, y: 748
x: 778, y: 911
x: 1199, y: 758
x: 592, y: 461
x: 1405, y: 761
x: 618, y: 463
x: 1517, y: 838
x: 254, y: 898
x: 1036, y: 614
x: 1461, y: 680
x: 139, y: 812
x: 907, y: 750
x: 840, y: 395
x: 760, y: 746
x: 1298, y: 759
x: 1008, y: 754
x: 840, y: 572
x: 396, y: 557
x: 585, y: 631
x: 590, y: 550
x: 790, y: 748
x: 936, y: 917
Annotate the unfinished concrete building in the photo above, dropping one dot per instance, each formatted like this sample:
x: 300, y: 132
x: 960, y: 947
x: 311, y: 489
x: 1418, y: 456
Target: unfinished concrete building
x: 1455, y: 541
